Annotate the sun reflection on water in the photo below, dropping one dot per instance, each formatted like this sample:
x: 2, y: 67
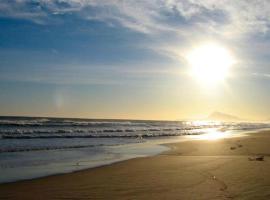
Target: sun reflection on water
x: 213, y: 134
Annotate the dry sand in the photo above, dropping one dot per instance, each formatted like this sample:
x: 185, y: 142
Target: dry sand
x: 218, y: 169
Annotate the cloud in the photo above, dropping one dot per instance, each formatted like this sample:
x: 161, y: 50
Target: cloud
x: 20, y: 10
x: 222, y: 16
x: 261, y: 75
x: 174, y: 25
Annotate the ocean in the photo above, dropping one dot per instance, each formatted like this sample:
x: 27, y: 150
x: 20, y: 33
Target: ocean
x: 35, y: 147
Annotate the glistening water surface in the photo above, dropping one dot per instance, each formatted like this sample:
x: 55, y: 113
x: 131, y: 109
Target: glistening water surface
x: 36, y: 147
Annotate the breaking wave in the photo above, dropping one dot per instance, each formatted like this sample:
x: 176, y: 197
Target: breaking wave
x: 37, y: 130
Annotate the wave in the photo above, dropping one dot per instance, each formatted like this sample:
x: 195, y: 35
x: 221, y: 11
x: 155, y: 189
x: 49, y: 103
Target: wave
x: 96, y: 133
x: 31, y: 128
x: 61, y: 122
x: 54, y: 122
x: 49, y: 130
x: 38, y: 122
x: 25, y: 149
x: 138, y: 135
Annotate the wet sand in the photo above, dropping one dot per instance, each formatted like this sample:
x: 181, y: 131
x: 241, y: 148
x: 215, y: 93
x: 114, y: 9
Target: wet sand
x: 220, y: 169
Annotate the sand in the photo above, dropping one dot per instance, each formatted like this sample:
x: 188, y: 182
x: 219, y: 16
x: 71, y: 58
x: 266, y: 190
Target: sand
x: 219, y: 169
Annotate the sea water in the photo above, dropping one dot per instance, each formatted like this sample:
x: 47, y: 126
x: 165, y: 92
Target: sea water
x: 37, y: 147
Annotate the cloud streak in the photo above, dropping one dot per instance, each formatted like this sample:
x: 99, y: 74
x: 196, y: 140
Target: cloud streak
x: 151, y: 16
x: 173, y: 25
x: 229, y: 17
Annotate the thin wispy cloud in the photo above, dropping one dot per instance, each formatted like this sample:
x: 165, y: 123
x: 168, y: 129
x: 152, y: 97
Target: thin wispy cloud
x: 173, y: 25
x: 170, y: 23
x: 224, y: 16
x: 136, y: 45
x: 261, y: 75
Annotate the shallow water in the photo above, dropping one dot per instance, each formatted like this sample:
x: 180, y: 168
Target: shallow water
x: 36, y: 147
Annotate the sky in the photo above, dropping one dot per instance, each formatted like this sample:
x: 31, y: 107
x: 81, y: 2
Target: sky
x: 127, y: 59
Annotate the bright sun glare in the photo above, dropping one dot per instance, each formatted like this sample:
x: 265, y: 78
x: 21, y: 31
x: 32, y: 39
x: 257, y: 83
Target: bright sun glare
x: 210, y: 63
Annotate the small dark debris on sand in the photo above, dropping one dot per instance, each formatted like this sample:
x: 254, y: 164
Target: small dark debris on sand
x: 256, y: 158
x: 237, y: 146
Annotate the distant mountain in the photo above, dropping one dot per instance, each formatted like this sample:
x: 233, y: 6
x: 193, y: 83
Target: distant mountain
x: 219, y: 116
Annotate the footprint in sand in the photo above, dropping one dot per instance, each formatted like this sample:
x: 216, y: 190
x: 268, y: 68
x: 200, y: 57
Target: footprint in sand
x: 237, y: 146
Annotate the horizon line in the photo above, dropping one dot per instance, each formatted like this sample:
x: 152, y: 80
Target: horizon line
x: 126, y: 119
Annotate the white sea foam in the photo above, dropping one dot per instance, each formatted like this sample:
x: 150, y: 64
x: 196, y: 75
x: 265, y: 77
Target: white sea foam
x: 34, y: 147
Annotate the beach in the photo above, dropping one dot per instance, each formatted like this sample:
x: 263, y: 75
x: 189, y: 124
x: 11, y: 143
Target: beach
x: 134, y: 100
x: 229, y: 168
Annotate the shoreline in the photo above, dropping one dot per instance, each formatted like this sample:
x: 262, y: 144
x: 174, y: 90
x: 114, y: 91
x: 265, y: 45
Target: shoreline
x: 146, y: 147
x: 111, y: 162
x: 167, y: 143
x: 182, y: 154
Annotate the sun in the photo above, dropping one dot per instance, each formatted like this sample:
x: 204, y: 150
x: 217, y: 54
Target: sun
x: 210, y: 63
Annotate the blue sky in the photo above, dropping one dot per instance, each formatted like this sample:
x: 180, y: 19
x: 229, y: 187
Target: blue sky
x: 126, y: 59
